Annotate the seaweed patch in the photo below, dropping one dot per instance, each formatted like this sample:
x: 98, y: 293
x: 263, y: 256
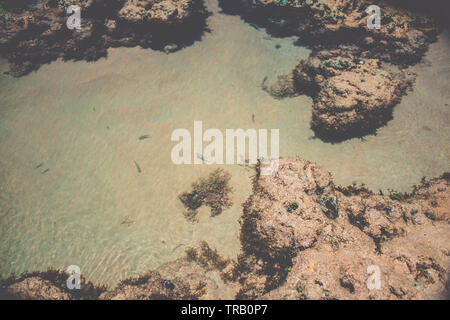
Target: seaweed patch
x: 213, y: 191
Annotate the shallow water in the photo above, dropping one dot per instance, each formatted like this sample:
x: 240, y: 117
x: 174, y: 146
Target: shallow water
x: 83, y: 120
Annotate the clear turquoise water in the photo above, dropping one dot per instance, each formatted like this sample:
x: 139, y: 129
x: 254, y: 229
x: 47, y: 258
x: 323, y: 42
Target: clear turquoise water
x: 83, y: 120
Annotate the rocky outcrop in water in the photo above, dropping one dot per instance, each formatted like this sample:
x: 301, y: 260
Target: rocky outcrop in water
x: 34, y: 32
x: 352, y: 96
x: 195, y: 276
x: 152, y: 286
x: 352, y: 73
x: 302, y: 237
x: 47, y: 285
x: 315, y: 240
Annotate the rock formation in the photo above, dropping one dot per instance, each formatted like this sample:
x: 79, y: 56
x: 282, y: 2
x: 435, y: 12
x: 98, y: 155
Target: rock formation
x: 302, y: 237
x: 315, y: 240
x: 33, y: 34
x: 355, y: 75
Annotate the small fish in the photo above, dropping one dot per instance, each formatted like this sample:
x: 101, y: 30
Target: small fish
x: 39, y: 165
x: 127, y: 221
x: 253, y: 117
x: 45, y: 171
x: 145, y: 136
x: 137, y: 167
x: 181, y: 244
x: 201, y: 157
x: 264, y: 80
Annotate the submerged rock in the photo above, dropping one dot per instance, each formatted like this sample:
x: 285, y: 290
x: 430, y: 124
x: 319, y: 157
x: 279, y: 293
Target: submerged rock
x: 152, y: 286
x: 213, y: 191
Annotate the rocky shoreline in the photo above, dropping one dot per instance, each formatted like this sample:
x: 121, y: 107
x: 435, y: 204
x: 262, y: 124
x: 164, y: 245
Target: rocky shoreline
x: 33, y: 33
x: 321, y: 237
x: 302, y: 237
x: 354, y: 75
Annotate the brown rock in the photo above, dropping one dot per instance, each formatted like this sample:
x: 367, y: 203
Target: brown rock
x: 36, y: 288
x: 309, y: 254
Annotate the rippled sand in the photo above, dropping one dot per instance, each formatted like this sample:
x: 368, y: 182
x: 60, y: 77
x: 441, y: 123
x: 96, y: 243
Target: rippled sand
x: 83, y: 120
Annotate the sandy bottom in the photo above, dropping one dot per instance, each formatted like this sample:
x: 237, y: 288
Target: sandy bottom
x: 87, y: 204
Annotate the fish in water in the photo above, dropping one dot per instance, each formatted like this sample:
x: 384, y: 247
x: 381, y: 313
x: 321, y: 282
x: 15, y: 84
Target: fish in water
x: 201, y: 157
x: 145, y: 136
x: 45, y: 171
x: 39, y: 165
x: 245, y: 163
x: 264, y: 80
x: 127, y: 221
x: 263, y: 84
x: 181, y: 244
x: 253, y: 117
x: 137, y: 167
